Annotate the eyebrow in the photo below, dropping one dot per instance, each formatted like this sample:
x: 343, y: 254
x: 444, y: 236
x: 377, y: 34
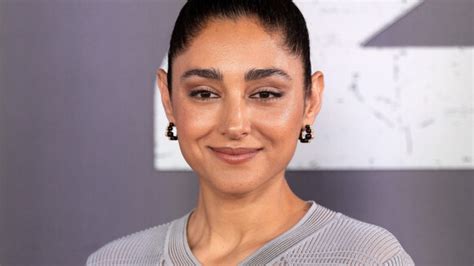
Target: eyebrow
x: 251, y: 75
x: 255, y: 74
x: 207, y: 73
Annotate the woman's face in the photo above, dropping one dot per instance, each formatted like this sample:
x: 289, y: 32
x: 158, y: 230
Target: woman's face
x: 236, y: 86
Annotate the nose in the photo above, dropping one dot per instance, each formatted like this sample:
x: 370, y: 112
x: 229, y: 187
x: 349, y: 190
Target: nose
x: 235, y: 123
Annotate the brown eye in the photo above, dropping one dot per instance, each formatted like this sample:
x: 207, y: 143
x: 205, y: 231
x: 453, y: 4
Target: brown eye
x: 266, y: 95
x: 203, y: 95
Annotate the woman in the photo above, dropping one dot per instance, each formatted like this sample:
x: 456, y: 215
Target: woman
x: 240, y: 93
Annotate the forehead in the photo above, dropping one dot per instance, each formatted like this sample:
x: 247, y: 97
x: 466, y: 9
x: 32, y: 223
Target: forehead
x: 236, y: 45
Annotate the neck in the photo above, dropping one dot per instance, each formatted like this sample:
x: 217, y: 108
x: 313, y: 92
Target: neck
x: 229, y: 222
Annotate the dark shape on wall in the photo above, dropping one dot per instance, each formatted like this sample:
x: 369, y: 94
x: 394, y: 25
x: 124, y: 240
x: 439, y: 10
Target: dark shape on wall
x: 431, y: 23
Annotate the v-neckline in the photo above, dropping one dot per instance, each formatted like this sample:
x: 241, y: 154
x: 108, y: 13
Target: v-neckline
x: 315, y: 217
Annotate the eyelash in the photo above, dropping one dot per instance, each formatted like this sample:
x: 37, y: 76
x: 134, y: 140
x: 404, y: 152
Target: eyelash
x: 275, y: 95
x: 194, y: 94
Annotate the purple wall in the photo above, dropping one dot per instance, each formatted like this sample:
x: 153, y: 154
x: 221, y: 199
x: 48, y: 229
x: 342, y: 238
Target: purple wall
x: 76, y: 144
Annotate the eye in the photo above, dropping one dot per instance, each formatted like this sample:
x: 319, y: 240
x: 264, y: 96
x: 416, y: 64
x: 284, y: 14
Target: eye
x: 203, y: 95
x: 266, y: 95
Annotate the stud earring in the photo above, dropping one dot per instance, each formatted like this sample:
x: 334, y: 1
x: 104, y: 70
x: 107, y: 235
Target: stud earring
x: 308, y: 136
x: 169, y: 132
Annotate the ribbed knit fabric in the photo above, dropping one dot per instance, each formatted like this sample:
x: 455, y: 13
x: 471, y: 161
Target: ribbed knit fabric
x: 321, y: 237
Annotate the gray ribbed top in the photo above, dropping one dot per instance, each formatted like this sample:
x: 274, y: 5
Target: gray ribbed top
x: 321, y: 237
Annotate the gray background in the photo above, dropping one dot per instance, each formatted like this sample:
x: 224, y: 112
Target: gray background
x: 76, y: 144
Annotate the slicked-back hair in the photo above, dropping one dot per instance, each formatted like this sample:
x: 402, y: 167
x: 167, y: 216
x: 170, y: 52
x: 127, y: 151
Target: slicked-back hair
x: 281, y: 16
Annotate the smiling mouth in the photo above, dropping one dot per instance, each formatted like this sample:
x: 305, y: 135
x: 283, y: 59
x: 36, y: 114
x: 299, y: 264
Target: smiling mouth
x: 235, y: 155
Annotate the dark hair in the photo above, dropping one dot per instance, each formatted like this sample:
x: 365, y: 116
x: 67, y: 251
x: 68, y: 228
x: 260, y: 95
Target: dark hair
x: 274, y: 15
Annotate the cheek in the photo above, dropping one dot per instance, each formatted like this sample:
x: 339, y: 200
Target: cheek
x: 193, y: 119
x: 280, y: 122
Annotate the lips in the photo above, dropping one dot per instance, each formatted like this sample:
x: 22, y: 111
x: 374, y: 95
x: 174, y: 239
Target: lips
x: 235, y: 155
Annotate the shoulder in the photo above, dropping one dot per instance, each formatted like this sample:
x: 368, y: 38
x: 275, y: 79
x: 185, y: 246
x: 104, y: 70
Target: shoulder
x: 143, y: 247
x: 349, y: 241
x: 375, y: 242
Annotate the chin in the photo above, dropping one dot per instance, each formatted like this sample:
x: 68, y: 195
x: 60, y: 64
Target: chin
x: 236, y: 185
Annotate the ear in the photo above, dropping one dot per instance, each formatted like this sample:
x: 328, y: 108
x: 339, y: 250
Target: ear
x: 314, y: 101
x: 165, y: 95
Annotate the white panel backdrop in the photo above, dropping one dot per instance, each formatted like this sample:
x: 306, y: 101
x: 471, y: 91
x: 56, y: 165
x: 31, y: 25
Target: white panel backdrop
x: 383, y: 108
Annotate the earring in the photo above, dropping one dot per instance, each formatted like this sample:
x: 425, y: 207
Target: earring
x: 169, y: 132
x: 308, y: 136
